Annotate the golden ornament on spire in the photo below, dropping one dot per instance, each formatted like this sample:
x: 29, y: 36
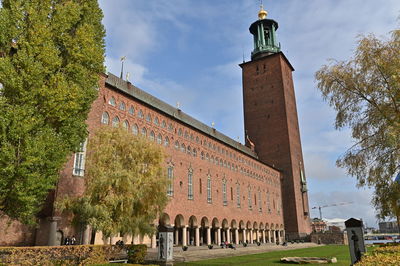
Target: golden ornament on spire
x: 262, y: 14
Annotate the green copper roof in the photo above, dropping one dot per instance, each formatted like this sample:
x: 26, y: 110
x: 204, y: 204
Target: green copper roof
x: 175, y: 113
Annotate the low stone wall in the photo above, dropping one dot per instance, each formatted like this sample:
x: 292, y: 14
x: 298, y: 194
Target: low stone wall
x: 328, y: 238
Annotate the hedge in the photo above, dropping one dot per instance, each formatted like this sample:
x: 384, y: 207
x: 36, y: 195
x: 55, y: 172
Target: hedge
x: 65, y: 255
x: 388, y: 255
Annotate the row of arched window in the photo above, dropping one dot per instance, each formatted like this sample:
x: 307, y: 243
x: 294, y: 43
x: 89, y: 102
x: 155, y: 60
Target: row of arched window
x: 182, y: 147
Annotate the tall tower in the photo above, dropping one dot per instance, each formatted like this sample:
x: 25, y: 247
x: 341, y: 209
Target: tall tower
x: 271, y: 123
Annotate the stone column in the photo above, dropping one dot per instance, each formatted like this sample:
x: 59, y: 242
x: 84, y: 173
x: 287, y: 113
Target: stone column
x: 197, y: 236
x: 228, y: 235
x: 269, y: 236
x: 184, y: 236
x: 208, y: 235
x: 236, y: 236
x: 154, y: 240
x: 251, y: 236
x: 219, y: 236
x: 51, y: 241
x: 188, y: 239
x: 263, y: 236
x: 244, y: 236
x: 284, y: 236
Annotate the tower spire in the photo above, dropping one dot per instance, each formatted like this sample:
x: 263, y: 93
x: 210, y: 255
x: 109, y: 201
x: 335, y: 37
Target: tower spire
x: 262, y: 14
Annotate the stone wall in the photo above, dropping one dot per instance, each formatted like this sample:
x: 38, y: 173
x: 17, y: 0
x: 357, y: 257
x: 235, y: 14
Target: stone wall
x: 327, y: 238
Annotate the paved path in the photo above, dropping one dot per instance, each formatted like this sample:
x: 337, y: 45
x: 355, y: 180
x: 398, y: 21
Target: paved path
x: 203, y: 253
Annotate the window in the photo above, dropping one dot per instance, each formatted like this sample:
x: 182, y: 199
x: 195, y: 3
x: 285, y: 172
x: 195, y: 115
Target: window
x: 197, y: 140
x: 224, y: 197
x: 259, y: 201
x: 131, y: 110
x: 170, y: 176
x: 190, y: 184
x: 238, y: 195
x: 189, y: 150
x: 200, y: 186
x: 135, y: 129
x: 159, y: 139
x: 207, y: 157
x: 112, y: 101
x: 144, y: 132
x: 105, y: 118
x: 177, y: 145
x: 180, y: 132
x: 170, y: 127
x: 152, y: 136
x: 148, y: 118
x: 194, y: 153
x: 79, y: 160
x: 125, y: 125
x: 115, y: 122
x: 202, y: 155
x: 183, y: 148
x: 250, y: 203
x: 122, y: 106
x: 166, y: 142
x: 268, y: 202
x: 209, y: 195
x: 191, y: 137
x: 140, y: 114
x: 186, y: 135
x: 156, y: 121
x: 163, y: 124
x: 231, y: 193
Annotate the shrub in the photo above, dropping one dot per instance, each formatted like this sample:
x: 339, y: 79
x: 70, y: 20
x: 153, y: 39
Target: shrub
x: 137, y: 253
x: 388, y: 255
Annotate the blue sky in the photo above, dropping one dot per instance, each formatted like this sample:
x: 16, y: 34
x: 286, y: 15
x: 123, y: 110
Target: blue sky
x: 188, y: 51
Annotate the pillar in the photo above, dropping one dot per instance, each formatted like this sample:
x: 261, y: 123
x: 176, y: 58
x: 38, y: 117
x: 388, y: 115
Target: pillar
x: 284, y: 235
x: 236, y: 236
x: 188, y: 239
x: 228, y: 235
x: 219, y: 236
x: 197, y: 236
x: 244, y: 236
x: 154, y: 241
x: 51, y: 241
x: 251, y: 236
x: 208, y: 235
x: 184, y: 236
x: 263, y: 236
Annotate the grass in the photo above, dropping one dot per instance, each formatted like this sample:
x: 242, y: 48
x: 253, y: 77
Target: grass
x: 273, y: 258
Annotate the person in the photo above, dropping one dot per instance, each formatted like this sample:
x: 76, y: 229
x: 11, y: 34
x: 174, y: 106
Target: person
x: 161, y: 240
x: 73, y: 240
x: 67, y: 241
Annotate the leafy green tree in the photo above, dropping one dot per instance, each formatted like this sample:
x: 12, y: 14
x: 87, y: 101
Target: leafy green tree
x: 365, y: 92
x: 125, y: 184
x: 51, y: 54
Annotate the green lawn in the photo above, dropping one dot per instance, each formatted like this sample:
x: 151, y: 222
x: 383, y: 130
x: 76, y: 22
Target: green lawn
x: 272, y: 258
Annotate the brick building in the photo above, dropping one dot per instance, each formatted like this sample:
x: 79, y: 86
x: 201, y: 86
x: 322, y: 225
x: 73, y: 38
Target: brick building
x: 221, y: 189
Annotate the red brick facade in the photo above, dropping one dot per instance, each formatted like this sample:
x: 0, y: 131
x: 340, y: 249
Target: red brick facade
x: 271, y: 123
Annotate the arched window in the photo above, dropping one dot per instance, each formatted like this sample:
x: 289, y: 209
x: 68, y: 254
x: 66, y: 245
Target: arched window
x: 156, y: 121
x: 170, y: 127
x: 131, y: 110
x: 190, y: 184
x: 105, y: 118
x: 209, y: 194
x: 191, y: 137
x: 140, y: 114
x: 202, y: 155
x: 170, y: 187
x: 111, y: 101
x: 122, y: 106
x: 163, y: 124
x: 238, y: 195
x: 194, y: 153
x: 115, y: 122
x: 197, y: 140
x: 144, y: 132
x: 180, y: 132
x: 166, y: 142
x: 125, y: 124
x: 152, y: 136
x: 135, y: 129
x: 189, y: 150
x: 177, y: 145
x: 148, y: 118
x: 159, y: 139
x: 183, y: 148
x: 224, y: 197
x: 186, y: 135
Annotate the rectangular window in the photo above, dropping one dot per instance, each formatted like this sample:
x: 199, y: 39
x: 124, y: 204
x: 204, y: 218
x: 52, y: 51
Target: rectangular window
x: 259, y: 202
x: 249, y: 200
x: 238, y: 195
x: 224, y: 197
x: 79, y: 160
x: 209, y: 195
x: 190, y: 185
x: 170, y: 187
x: 268, y: 203
x: 201, y: 187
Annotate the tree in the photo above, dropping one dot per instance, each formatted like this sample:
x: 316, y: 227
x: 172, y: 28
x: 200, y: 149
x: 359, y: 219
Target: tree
x: 51, y: 55
x: 365, y: 92
x: 125, y: 183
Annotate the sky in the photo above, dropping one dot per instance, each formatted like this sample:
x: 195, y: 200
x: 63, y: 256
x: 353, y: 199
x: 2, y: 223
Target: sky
x: 188, y: 51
